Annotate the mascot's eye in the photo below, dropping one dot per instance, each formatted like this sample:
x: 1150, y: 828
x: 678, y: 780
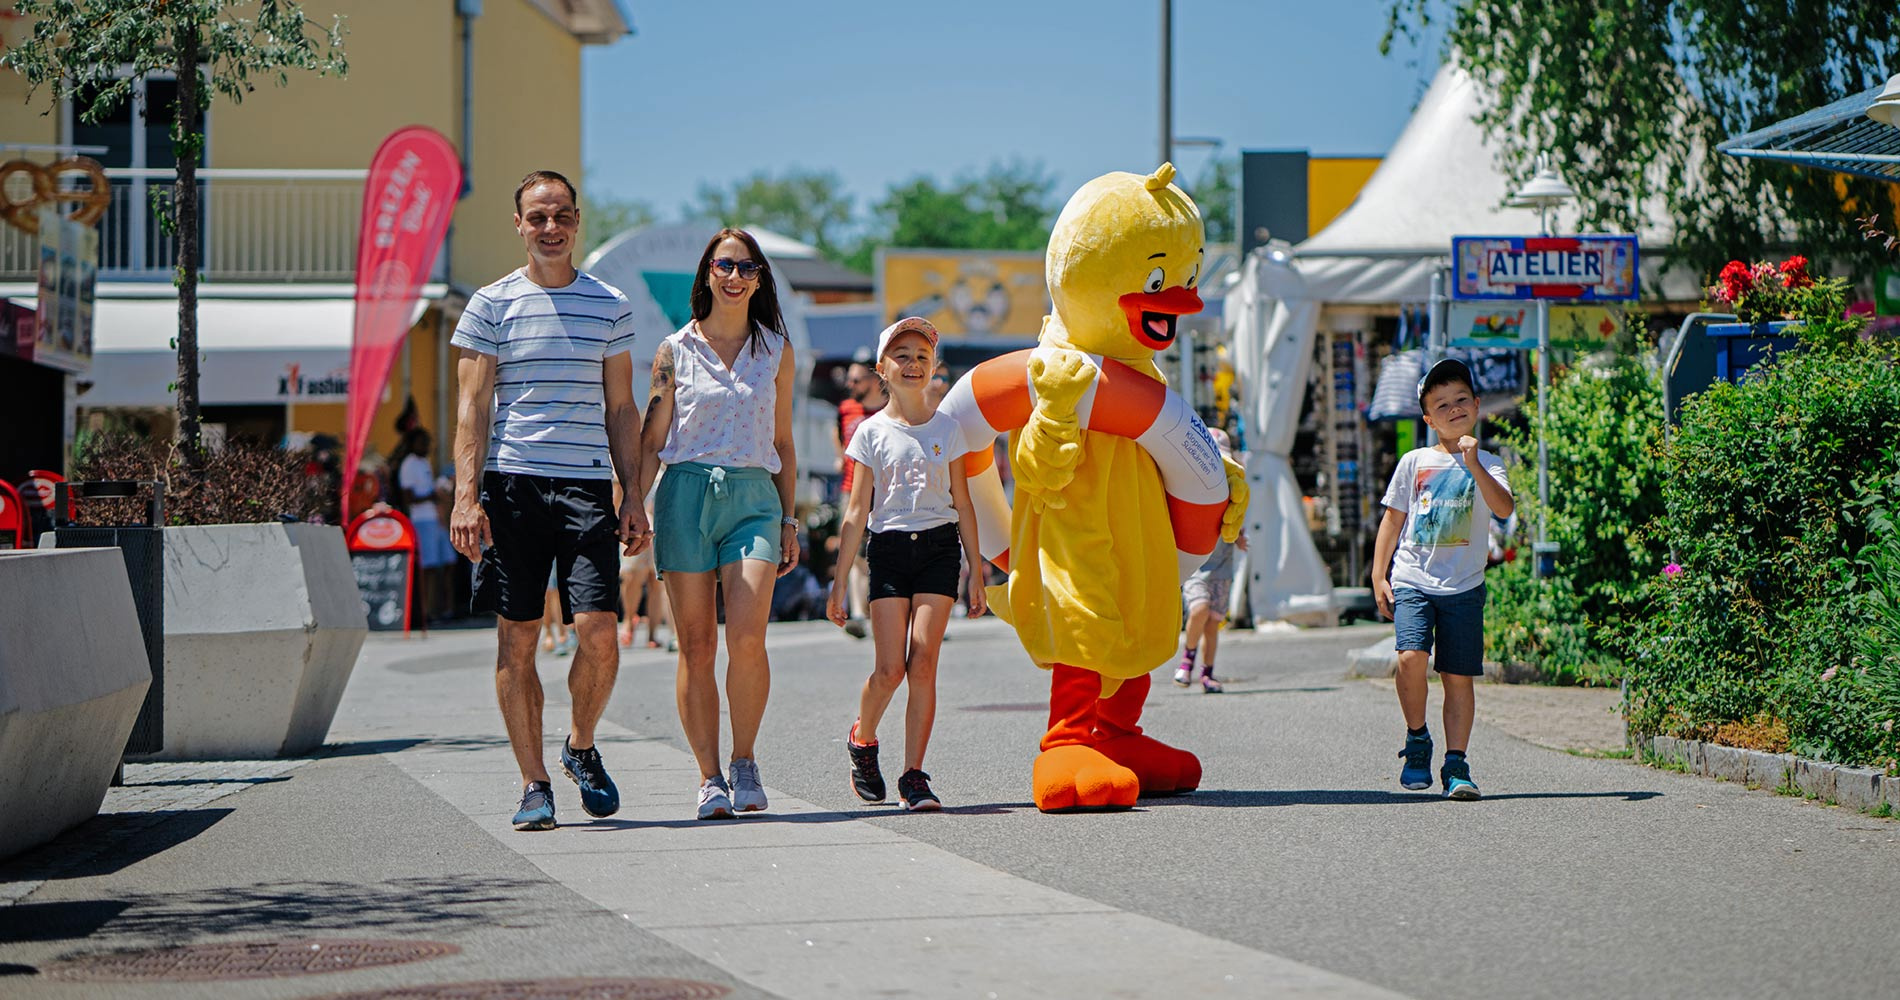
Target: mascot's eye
x: 1155, y: 278
x: 1196, y: 276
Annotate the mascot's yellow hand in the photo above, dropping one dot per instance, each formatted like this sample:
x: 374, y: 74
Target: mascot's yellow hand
x: 1051, y: 443
x: 1237, y: 493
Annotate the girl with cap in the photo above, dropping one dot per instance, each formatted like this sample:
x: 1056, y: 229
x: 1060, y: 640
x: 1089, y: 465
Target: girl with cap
x: 909, y: 486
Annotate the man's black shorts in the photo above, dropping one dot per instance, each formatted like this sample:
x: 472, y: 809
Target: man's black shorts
x: 538, y: 523
x: 908, y: 563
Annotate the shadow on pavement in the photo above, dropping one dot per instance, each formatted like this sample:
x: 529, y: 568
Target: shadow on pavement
x: 434, y: 905
x: 1366, y: 797
x: 68, y: 921
x: 109, y: 842
x: 366, y: 748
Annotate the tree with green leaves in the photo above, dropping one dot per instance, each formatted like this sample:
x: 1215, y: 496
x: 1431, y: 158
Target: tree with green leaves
x: 605, y: 217
x: 1216, y: 191
x: 1630, y: 97
x: 1009, y: 207
x: 809, y: 206
x: 91, y: 51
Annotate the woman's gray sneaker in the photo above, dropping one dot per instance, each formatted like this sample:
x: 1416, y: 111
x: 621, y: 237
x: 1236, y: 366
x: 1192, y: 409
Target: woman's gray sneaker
x: 714, y: 800
x: 747, y: 794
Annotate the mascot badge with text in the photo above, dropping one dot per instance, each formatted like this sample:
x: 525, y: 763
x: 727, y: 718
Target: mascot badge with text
x: 1120, y: 492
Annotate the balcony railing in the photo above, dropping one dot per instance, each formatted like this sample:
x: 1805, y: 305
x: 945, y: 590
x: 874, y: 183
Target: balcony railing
x: 256, y: 226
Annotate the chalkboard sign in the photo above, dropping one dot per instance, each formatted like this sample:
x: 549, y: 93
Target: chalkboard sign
x: 383, y: 579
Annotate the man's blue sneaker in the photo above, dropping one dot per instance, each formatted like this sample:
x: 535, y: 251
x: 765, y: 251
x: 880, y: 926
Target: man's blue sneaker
x: 598, y: 795
x: 1456, y: 774
x: 537, y: 808
x: 1417, y: 772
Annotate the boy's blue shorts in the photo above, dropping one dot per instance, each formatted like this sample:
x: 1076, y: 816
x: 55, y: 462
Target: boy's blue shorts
x: 1455, y: 620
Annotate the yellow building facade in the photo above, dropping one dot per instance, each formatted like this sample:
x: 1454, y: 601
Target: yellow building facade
x: 282, y: 202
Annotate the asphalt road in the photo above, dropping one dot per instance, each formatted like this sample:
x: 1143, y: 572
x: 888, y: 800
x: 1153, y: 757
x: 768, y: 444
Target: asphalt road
x: 1574, y: 877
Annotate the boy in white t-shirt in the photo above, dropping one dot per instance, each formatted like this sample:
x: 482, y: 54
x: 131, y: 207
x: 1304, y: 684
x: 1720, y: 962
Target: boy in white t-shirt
x: 1434, y: 542
x: 909, y: 485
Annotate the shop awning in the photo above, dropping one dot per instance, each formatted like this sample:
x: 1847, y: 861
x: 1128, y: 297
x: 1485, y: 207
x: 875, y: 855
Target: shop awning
x: 255, y: 350
x: 1839, y: 137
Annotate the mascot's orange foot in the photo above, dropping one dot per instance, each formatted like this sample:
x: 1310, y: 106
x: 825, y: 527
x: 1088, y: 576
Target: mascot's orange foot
x: 1079, y: 777
x: 1162, y: 769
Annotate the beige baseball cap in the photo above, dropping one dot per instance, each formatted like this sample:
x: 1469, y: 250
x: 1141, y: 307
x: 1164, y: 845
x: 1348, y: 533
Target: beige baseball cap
x: 908, y: 324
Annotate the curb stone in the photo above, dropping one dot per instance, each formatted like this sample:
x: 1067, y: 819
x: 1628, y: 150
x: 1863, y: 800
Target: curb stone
x: 1859, y: 788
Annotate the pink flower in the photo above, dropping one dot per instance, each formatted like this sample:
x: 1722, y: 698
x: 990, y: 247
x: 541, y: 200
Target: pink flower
x: 1828, y: 674
x: 1672, y: 570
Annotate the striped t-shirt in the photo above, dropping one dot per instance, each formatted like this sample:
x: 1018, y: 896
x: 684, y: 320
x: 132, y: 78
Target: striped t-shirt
x: 550, y: 411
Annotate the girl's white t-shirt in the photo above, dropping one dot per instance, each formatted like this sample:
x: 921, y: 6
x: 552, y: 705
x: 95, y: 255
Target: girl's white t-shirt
x: 910, y: 469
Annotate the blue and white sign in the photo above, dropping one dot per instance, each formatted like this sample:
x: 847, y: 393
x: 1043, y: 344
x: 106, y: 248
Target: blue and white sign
x: 1572, y: 268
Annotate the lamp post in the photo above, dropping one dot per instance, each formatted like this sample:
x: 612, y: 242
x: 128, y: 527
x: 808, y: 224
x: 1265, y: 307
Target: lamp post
x: 1167, y: 82
x: 1545, y: 192
x: 1886, y: 107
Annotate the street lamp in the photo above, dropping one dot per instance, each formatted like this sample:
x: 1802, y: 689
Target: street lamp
x: 1886, y: 107
x: 1546, y: 191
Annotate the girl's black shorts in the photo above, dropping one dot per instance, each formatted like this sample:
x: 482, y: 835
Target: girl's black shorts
x: 908, y: 563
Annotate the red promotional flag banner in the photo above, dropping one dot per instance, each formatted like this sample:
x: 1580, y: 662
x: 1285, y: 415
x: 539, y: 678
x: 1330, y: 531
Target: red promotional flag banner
x: 407, y: 201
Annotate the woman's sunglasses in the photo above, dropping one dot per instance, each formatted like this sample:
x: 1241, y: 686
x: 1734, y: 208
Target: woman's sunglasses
x: 748, y: 269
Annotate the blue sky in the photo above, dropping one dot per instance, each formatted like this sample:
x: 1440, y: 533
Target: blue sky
x: 882, y: 92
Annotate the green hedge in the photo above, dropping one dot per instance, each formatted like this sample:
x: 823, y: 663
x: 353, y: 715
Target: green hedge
x: 1775, y: 626
x: 1605, y: 492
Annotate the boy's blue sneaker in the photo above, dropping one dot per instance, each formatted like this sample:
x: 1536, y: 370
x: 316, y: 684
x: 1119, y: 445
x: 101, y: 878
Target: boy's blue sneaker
x: 598, y: 795
x: 537, y: 808
x: 1417, y: 772
x: 1456, y: 774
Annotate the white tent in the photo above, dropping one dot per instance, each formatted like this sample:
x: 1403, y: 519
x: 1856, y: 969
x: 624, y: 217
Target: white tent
x: 1274, y: 319
x: 1440, y: 179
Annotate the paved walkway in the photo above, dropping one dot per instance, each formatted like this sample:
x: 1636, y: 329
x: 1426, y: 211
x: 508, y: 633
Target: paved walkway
x: 1293, y: 873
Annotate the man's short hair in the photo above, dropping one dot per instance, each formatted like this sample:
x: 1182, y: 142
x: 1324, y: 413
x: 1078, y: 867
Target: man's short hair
x: 544, y: 177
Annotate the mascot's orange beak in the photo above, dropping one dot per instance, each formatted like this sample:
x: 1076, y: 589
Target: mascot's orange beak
x: 1151, y: 315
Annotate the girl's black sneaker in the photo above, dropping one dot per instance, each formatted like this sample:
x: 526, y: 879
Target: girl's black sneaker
x: 913, y: 786
x: 866, y: 779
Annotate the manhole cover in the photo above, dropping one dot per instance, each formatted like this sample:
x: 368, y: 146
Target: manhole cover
x: 1009, y: 706
x: 552, y: 989
x: 246, y: 960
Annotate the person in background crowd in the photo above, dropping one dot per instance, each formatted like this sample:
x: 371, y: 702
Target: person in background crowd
x: 416, y: 484
x: 867, y: 397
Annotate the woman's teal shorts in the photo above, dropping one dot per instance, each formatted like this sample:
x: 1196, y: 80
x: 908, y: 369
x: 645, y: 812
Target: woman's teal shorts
x: 706, y: 516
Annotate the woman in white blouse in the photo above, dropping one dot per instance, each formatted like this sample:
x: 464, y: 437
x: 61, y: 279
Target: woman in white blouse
x: 720, y: 419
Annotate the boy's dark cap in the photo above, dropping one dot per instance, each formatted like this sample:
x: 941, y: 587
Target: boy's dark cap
x: 1446, y: 370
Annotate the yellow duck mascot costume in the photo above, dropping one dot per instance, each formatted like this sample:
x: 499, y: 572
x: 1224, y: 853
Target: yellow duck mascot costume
x: 1120, y: 492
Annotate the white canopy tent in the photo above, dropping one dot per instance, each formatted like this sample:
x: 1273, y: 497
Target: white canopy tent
x: 1440, y: 180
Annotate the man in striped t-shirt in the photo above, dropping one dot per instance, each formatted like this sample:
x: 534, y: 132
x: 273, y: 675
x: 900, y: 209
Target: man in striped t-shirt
x: 547, y: 415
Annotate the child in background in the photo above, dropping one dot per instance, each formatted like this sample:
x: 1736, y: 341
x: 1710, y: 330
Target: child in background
x: 909, y: 484
x: 1206, y: 594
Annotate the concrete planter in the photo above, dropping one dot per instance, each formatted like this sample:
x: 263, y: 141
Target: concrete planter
x: 262, y: 628
x: 72, y: 676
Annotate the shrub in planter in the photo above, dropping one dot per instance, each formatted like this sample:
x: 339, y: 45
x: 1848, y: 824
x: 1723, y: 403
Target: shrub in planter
x: 1769, y: 496
x: 263, y: 621
x: 239, y: 484
x: 1605, y: 492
